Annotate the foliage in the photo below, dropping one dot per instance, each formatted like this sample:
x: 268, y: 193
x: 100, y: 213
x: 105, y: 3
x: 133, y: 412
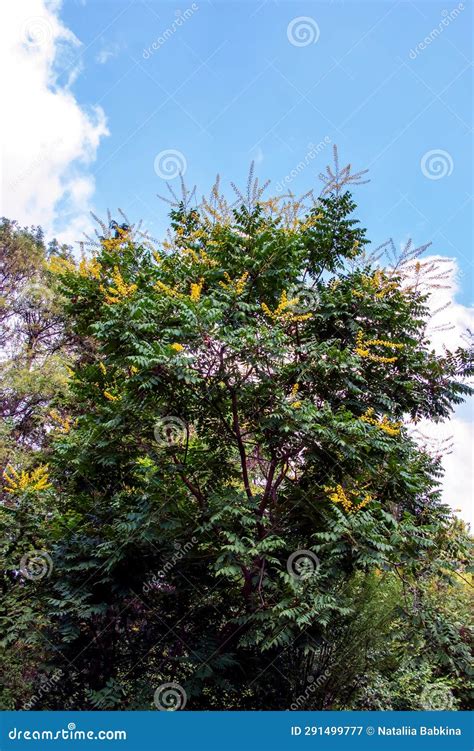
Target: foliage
x: 244, y: 394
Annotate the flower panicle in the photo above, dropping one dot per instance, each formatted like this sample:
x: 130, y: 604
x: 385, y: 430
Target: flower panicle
x: 20, y: 482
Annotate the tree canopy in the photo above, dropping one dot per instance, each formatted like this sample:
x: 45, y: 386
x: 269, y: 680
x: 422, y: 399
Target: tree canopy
x: 229, y: 498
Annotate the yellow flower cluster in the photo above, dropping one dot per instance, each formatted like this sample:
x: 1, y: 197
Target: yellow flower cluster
x: 200, y: 257
x: 378, y: 285
x: 114, y: 243
x: 391, y: 428
x: 282, y: 314
x: 177, y: 347
x: 58, y: 265
x: 196, y: 289
x: 236, y: 286
x: 63, y: 424
x: 90, y: 267
x: 169, y: 291
x: 337, y: 494
x: 295, y: 403
x: 121, y: 290
x: 362, y: 348
x: 111, y: 397
x: 35, y: 480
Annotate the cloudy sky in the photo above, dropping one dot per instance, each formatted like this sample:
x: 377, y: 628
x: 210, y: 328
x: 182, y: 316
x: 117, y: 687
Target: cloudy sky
x: 106, y: 99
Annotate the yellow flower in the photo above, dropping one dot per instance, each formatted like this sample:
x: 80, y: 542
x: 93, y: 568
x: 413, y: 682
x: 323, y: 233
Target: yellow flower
x: 111, y: 397
x: 90, y: 268
x: 35, y: 480
x: 58, y: 265
x: 378, y: 285
x: 281, y: 312
x: 63, y: 424
x: 196, y: 290
x: 103, y: 368
x: 177, y: 347
x: 362, y: 348
x: 168, y: 291
x: 237, y: 285
x: 337, y: 494
x: 121, y: 290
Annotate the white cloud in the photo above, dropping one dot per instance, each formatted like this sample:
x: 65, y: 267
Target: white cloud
x: 106, y: 53
x: 446, y: 329
x: 50, y: 140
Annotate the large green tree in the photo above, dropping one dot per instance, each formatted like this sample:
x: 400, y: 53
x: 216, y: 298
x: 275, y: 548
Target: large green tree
x: 239, y: 468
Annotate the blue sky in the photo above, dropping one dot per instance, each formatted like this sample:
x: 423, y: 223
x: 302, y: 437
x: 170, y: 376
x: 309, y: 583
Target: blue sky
x: 227, y: 86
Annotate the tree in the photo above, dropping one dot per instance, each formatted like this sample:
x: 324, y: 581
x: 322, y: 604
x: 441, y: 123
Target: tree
x: 239, y: 459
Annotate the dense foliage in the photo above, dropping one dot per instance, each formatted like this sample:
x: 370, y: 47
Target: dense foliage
x: 233, y: 501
